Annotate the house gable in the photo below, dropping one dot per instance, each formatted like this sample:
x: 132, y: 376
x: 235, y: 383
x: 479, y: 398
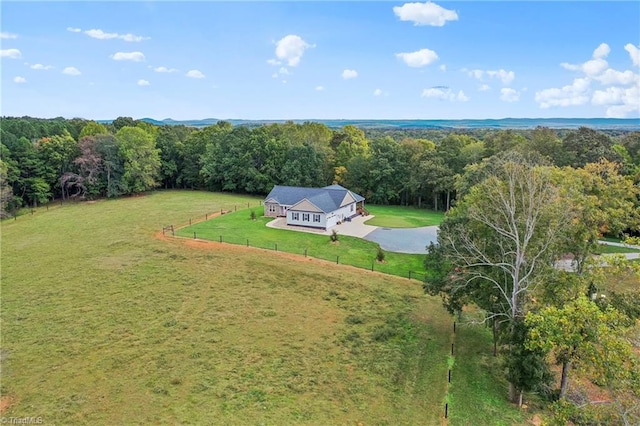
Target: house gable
x: 348, y: 199
x: 305, y: 206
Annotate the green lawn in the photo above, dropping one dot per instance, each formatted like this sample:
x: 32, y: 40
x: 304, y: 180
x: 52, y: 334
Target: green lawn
x: 105, y: 323
x: 607, y: 249
x: 402, y: 216
x: 238, y: 228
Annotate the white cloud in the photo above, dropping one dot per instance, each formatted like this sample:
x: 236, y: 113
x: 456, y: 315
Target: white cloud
x: 290, y: 49
x: 128, y: 56
x: 71, y: 71
x: 101, y: 35
x: 347, y: 74
x: 634, y: 53
x: 419, y: 58
x: 165, y: 69
x: 19, y: 80
x: 601, y: 51
x: 74, y: 30
x: 10, y: 53
x: 443, y: 67
x: 275, y: 75
x: 320, y: 88
x: 283, y: 71
x: 142, y: 82
x: 619, y: 90
x: 4, y: 35
x: 40, y: 67
x: 445, y: 94
x: 574, y: 94
x: 505, y: 76
x: 194, y: 74
x: 484, y: 88
x: 611, y: 76
x: 425, y: 14
x: 377, y: 92
x: 619, y: 101
x: 509, y: 95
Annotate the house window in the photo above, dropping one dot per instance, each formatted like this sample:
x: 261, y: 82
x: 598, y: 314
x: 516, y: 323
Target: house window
x: 305, y: 217
x: 272, y: 208
x: 295, y: 216
x: 351, y: 207
x: 316, y: 218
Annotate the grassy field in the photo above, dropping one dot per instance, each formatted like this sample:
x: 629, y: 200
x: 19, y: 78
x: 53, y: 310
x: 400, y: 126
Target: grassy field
x: 238, y: 228
x: 403, y: 217
x: 105, y: 322
x: 607, y: 249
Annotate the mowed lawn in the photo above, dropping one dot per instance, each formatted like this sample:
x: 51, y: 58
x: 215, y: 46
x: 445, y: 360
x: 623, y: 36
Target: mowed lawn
x: 403, y: 216
x: 103, y: 322
x: 238, y: 228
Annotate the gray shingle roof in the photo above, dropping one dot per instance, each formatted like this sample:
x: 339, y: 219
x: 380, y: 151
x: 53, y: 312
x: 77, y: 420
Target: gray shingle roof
x: 326, y: 199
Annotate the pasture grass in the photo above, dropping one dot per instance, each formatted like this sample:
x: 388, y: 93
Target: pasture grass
x: 239, y: 228
x: 103, y: 322
x: 402, y: 216
x: 478, y: 390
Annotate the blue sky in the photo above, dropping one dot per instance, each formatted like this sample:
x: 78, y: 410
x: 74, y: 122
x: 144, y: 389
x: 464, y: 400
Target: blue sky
x: 320, y: 60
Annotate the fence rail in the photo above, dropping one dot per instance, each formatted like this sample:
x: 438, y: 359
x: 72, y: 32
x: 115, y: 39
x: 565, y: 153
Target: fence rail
x: 371, y: 264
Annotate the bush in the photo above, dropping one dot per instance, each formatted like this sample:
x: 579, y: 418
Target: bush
x: 380, y: 254
x: 253, y: 215
x: 333, y: 236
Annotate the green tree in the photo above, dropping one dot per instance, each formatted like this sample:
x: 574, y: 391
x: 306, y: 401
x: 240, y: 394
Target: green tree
x: 140, y: 157
x: 92, y: 128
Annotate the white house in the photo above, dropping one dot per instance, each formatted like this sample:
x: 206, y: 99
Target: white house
x: 313, y: 207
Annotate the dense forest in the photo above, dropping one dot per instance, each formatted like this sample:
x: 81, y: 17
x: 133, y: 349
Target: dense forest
x: 45, y: 159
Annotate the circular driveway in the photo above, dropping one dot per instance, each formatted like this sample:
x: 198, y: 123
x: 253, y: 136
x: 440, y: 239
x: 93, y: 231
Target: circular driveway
x: 404, y: 240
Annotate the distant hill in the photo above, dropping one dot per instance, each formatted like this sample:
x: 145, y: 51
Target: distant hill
x: 505, y: 123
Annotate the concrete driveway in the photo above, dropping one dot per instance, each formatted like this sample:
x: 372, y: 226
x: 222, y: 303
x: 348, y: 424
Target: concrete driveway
x: 399, y: 240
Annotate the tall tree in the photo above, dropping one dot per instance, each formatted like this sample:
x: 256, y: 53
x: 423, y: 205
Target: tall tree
x: 141, y: 159
x: 502, y: 236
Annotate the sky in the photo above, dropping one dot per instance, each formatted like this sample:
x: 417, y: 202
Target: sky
x: 320, y: 60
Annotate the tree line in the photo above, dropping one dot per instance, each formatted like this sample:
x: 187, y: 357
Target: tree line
x: 503, y: 248
x: 44, y: 159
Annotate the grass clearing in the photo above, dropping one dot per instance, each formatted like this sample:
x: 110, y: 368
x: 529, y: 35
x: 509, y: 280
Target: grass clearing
x: 238, y: 228
x: 403, y: 216
x: 478, y: 391
x: 607, y: 249
x: 103, y: 323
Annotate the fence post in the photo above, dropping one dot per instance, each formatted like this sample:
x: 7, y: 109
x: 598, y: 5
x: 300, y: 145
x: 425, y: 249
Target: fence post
x: 189, y: 221
x: 206, y: 216
x: 247, y: 205
x: 454, y: 326
x: 220, y: 238
x: 305, y: 252
x: 276, y: 246
x: 449, y: 375
x: 247, y: 242
x: 337, y: 260
x: 452, y: 349
x: 409, y: 274
x: 220, y: 212
x: 173, y: 232
x: 372, y: 263
x: 446, y: 410
x: 235, y: 208
x: 194, y: 236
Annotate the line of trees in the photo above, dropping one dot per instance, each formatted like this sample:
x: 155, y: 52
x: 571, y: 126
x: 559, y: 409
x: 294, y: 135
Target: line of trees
x: 59, y: 158
x: 498, y: 249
